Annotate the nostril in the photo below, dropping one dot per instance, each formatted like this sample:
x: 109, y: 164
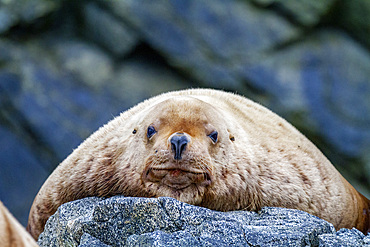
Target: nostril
x: 182, y: 147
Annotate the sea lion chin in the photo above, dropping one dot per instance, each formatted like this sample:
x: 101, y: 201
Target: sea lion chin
x: 207, y: 148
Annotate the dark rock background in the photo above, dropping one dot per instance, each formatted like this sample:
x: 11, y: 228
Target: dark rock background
x: 68, y: 67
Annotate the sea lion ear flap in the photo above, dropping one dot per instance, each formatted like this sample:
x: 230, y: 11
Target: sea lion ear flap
x: 231, y: 136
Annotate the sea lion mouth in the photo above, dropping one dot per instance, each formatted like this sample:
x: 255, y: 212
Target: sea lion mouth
x: 177, y: 178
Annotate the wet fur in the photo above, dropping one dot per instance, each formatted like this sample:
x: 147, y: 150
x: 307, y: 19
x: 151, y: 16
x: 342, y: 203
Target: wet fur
x: 259, y: 160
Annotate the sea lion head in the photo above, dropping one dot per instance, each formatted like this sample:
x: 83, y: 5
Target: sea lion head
x: 182, y: 137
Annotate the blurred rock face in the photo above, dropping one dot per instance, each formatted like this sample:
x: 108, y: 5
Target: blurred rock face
x: 67, y: 67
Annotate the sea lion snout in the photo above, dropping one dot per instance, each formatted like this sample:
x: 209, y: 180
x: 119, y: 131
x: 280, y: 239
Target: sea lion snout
x: 179, y: 142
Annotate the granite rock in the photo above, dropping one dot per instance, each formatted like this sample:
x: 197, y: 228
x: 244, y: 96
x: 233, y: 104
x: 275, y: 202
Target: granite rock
x: 127, y: 221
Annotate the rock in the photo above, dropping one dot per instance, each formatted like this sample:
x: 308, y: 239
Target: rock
x: 128, y: 221
x: 304, y: 12
x: 205, y: 39
x: 87, y: 241
x: 320, y: 78
x: 58, y: 107
x: 140, y: 78
x: 13, y: 12
x: 108, y: 31
x: 58, y: 125
x: 354, y: 16
x: 337, y: 91
x: 85, y: 62
x: 21, y: 176
x: 344, y: 237
x: 22, y: 172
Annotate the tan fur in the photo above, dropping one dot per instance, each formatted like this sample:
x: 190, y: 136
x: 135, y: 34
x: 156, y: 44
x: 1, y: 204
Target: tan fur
x: 259, y: 160
x: 12, y: 233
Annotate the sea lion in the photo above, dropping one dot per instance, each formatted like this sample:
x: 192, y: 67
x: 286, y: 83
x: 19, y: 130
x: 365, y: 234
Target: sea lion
x: 12, y: 232
x: 208, y: 148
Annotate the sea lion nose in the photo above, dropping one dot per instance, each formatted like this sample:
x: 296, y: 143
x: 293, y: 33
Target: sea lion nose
x: 179, y: 142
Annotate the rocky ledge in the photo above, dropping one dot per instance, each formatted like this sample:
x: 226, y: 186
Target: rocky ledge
x: 126, y: 221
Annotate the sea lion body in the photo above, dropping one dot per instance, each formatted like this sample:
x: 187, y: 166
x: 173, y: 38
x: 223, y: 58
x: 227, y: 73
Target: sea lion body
x: 208, y: 148
x: 12, y: 233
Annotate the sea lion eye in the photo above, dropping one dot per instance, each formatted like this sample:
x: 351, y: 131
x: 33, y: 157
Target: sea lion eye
x: 213, y: 136
x: 151, y: 131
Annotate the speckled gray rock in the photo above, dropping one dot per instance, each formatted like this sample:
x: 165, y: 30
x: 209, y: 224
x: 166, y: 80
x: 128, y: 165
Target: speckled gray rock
x: 127, y: 221
x: 344, y: 237
x: 87, y: 241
